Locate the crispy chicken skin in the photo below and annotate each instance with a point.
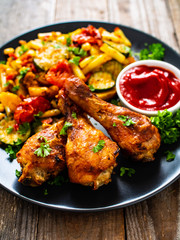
(85, 166)
(139, 141)
(36, 170)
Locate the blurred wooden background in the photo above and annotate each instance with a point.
(156, 218)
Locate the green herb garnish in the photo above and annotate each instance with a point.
(127, 121)
(18, 173)
(68, 41)
(23, 50)
(22, 73)
(74, 115)
(168, 124)
(65, 128)
(114, 124)
(91, 88)
(24, 128)
(12, 150)
(99, 146)
(115, 102)
(170, 156)
(58, 181)
(129, 171)
(44, 149)
(15, 88)
(78, 51)
(153, 51)
(9, 129)
(45, 192)
(75, 60)
(6, 84)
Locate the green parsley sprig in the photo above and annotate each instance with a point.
(44, 149)
(127, 121)
(129, 171)
(23, 49)
(168, 124)
(99, 146)
(75, 60)
(153, 51)
(65, 128)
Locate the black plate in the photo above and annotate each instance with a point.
(149, 178)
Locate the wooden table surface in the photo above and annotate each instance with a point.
(155, 218)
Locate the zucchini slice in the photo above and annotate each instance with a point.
(113, 67)
(101, 81)
(13, 136)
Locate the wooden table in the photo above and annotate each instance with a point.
(155, 218)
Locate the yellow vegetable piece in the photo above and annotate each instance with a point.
(107, 95)
(94, 50)
(112, 52)
(8, 51)
(110, 36)
(37, 91)
(10, 100)
(86, 61)
(77, 71)
(118, 32)
(86, 46)
(50, 113)
(97, 61)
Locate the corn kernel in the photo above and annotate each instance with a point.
(8, 51)
(86, 46)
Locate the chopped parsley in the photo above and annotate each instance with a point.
(91, 88)
(78, 51)
(6, 84)
(130, 171)
(15, 88)
(99, 146)
(74, 115)
(9, 129)
(153, 51)
(75, 60)
(170, 156)
(168, 124)
(65, 128)
(44, 149)
(114, 124)
(24, 128)
(58, 181)
(23, 49)
(39, 114)
(22, 73)
(115, 102)
(127, 121)
(12, 150)
(68, 41)
(45, 192)
(18, 173)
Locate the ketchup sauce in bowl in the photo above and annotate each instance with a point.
(149, 86)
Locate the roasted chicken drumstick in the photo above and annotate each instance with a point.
(90, 155)
(133, 132)
(38, 169)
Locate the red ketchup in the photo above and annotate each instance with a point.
(150, 88)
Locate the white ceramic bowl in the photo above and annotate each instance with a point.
(154, 63)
